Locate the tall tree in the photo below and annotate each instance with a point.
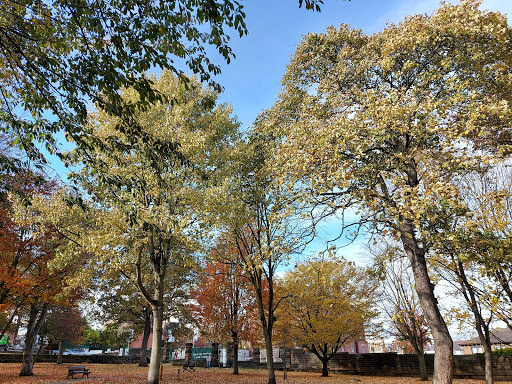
(383, 124)
(330, 301)
(147, 201)
(262, 223)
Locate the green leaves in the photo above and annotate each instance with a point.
(58, 58)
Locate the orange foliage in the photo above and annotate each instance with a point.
(24, 254)
(225, 306)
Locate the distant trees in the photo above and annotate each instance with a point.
(110, 336)
(224, 306)
(118, 302)
(63, 324)
(328, 302)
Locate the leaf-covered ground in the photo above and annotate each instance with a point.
(132, 374)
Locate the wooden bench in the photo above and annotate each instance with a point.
(77, 369)
(190, 365)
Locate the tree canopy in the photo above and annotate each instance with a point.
(61, 57)
(329, 302)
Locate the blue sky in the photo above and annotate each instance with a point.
(252, 81)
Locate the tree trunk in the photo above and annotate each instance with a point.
(35, 322)
(156, 350)
(270, 358)
(482, 327)
(325, 370)
(159, 263)
(488, 363)
(61, 352)
(423, 367)
(321, 352)
(235, 353)
(143, 359)
(443, 361)
(267, 326)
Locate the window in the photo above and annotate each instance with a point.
(476, 350)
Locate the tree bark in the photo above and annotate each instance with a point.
(235, 353)
(156, 349)
(443, 361)
(35, 322)
(423, 366)
(489, 379)
(143, 359)
(61, 352)
(159, 260)
(267, 325)
(270, 357)
(325, 370)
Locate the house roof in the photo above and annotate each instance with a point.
(457, 345)
(498, 336)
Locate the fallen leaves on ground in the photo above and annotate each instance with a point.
(49, 373)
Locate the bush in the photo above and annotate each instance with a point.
(503, 352)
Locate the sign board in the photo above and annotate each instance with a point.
(200, 353)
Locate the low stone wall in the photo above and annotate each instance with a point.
(71, 359)
(473, 366)
(391, 364)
